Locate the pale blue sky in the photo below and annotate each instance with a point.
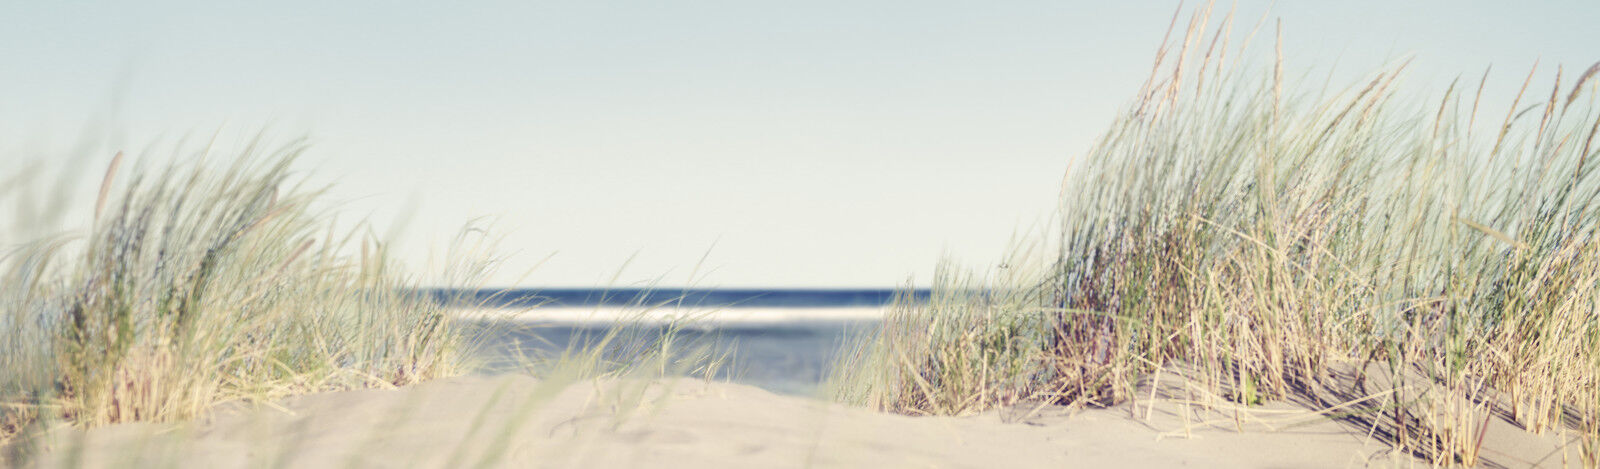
(812, 143)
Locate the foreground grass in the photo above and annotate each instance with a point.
(197, 285)
(1276, 243)
(593, 387)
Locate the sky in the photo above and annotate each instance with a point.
(714, 143)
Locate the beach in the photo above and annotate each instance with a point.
(765, 404)
(728, 235)
(519, 421)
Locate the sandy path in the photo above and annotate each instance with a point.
(512, 421)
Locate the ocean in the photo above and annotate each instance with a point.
(785, 340)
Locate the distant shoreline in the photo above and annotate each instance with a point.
(676, 297)
(687, 315)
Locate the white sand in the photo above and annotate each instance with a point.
(511, 421)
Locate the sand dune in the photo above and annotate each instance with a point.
(517, 421)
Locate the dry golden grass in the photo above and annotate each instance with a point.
(197, 285)
(1266, 237)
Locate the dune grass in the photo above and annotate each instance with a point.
(198, 284)
(1270, 239)
(626, 371)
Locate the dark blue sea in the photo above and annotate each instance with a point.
(792, 356)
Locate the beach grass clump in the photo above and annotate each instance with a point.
(1274, 242)
(197, 284)
(966, 348)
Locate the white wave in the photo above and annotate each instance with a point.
(592, 315)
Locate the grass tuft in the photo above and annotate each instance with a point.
(199, 284)
(1277, 243)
